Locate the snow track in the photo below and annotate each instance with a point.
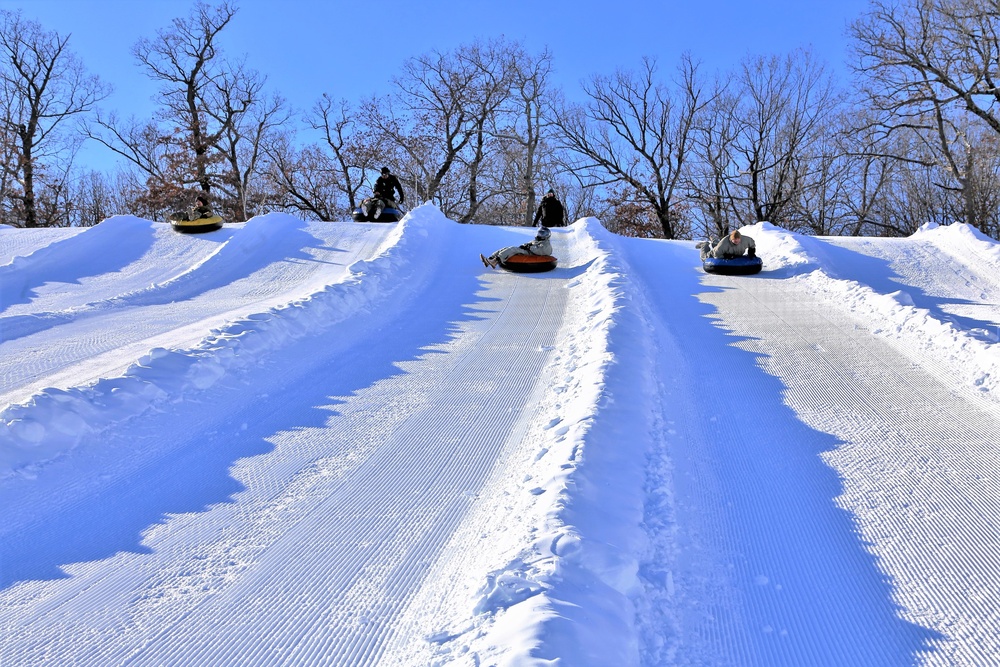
(930, 513)
(293, 443)
(766, 570)
(331, 532)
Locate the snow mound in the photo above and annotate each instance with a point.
(55, 420)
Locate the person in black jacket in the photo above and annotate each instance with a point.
(386, 187)
(199, 211)
(550, 212)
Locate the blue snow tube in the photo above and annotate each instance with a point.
(737, 266)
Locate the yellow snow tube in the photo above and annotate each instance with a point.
(197, 226)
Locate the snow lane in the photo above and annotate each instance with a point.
(70, 259)
(916, 455)
(337, 526)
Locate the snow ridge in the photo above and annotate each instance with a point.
(58, 261)
(570, 592)
(54, 421)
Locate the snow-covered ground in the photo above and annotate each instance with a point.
(298, 443)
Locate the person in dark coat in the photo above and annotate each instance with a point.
(386, 187)
(201, 208)
(199, 211)
(550, 212)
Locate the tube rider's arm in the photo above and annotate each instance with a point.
(721, 248)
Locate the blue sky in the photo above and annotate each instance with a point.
(352, 49)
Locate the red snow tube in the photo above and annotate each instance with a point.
(529, 263)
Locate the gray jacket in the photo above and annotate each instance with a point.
(539, 247)
(726, 249)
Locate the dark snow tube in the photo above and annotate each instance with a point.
(197, 226)
(739, 266)
(389, 214)
(529, 263)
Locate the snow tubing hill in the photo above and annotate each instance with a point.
(739, 266)
(197, 226)
(529, 263)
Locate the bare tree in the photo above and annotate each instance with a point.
(930, 66)
(182, 58)
(779, 118)
(214, 114)
(442, 118)
(356, 149)
(11, 202)
(918, 53)
(820, 203)
(525, 125)
(428, 117)
(871, 168)
(95, 199)
(493, 64)
(635, 130)
(244, 137)
(44, 85)
(307, 180)
(714, 170)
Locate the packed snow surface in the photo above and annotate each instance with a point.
(303, 443)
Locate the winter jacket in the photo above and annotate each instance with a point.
(386, 187)
(726, 249)
(551, 213)
(539, 247)
(536, 247)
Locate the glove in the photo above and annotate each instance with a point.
(752, 252)
(525, 246)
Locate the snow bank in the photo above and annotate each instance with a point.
(779, 249)
(914, 331)
(962, 241)
(54, 420)
(567, 597)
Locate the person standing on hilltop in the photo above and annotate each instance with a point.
(550, 212)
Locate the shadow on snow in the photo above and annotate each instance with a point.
(190, 470)
(767, 568)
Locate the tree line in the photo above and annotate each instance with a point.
(481, 130)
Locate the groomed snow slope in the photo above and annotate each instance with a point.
(291, 443)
